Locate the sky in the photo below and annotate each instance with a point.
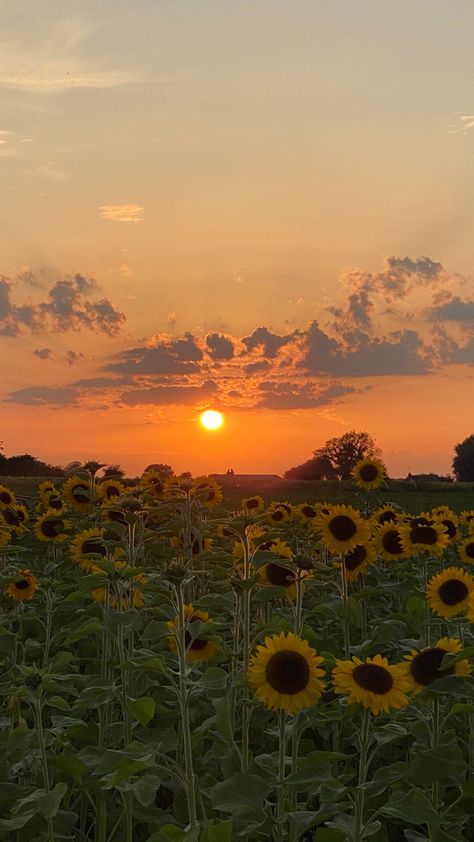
(262, 207)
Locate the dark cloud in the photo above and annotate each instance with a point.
(288, 395)
(44, 396)
(44, 353)
(159, 360)
(454, 310)
(164, 395)
(259, 366)
(74, 357)
(219, 346)
(269, 342)
(69, 306)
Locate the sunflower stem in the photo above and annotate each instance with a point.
(363, 766)
(294, 768)
(435, 712)
(281, 773)
(346, 624)
(49, 625)
(184, 711)
(38, 712)
(246, 598)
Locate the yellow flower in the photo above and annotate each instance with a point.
(45, 489)
(24, 586)
(425, 667)
(253, 505)
(368, 473)
(199, 544)
(467, 517)
(450, 522)
(87, 542)
(152, 483)
(109, 489)
(358, 560)
(77, 492)
(207, 491)
(122, 592)
(448, 592)
(7, 497)
(385, 514)
(14, 517)
(418, 537)
(374, 683)
(197, 649)
(285, 673)
(388, 542)
(466, 550)
(279, 512)
(342, 529)
(305, 511)
(51, 527)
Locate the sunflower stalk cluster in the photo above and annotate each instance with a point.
(175, 668)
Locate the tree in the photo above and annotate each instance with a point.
(337, 457)
(164, 471)
(319, 467)
(463, 462)
(114, 471)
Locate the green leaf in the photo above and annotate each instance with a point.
(413, 807)
(143, 709)
(173, 833)
(329, 834)
(223, 720)
(88, 628)
(240, 792)
(58, 702)
(214, 678)
(49, 803)
(216, 831)
(145, 789)
(70, 765)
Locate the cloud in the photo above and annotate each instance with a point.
(453, 310)
(270, 343)
(122, 213)
(44, 396)
(69, 306)
(164, 357)
(163, 395)
(220, 347)
(44, 353)
(288, 395)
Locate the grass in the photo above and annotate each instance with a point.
(413, 498)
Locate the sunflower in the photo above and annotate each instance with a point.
(207, 491)
(45, 489)
(199, 544)
(467, 517)
(197, 649)
(285, 673)
(278, 513)
(305, 511)
(108, 489)
(77, 492)
(88, 542)
(385, 514)
(253, 505)
(342, 529)
(7, 497)
(374, 683)
(442, 511)
(450, 523)
(368, 473)
(53, 500)
(152, 482)
(420, 537)
(14, 516)
(448, 592)
(51, 527)
(388, 542)
(466, 550)
(24, 585)
(358, 560)
(425, 667)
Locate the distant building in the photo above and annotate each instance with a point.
(247, 480)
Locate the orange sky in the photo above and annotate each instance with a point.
(265, 208)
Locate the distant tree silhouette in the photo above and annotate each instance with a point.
(337, 457)
(114, 471)
(26, 465)
(163, 470)
(463, 462)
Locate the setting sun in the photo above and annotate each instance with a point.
(211, 419)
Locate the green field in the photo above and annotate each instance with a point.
(412, 498)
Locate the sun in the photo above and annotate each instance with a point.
(211, 419)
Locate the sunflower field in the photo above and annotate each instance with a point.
(173, 671)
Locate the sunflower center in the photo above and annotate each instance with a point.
(55, 503)
(116, 516)
(368, 473)
(391, 542)
(453, 591)
(22, 585)
(386, 517)
(112, 491)
(342, 527)
(11, 517)
(419, 521)
(425, 667)
(308, 511)
(373, 678)
(424, 535)
(93, 545)
(80, 493)
(469, 549)
(251, 504)
(5, 497)
(277, 515)
(450, 527)
(51, 528)
(287, 672)
(279, 575)
(355, 558)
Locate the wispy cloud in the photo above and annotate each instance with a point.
(122, 213)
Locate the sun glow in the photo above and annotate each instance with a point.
(211, 419)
